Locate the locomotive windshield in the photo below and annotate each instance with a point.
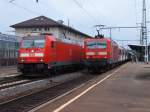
(101, 45)
(91, 45)
(33, 43)
(97, 44)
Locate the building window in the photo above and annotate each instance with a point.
(34, 29)
(75, 35)
(46, 29)
(26, 29)
(40, 29)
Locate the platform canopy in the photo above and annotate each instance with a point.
(140, 51)
(137, 48)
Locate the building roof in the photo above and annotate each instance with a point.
(43, 21)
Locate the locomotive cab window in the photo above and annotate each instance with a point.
(93, 45)
(39, 43)
(101, 45)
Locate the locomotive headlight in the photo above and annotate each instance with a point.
(90, 53)
(39, 54)
(24, 55)
(22, 60)
(41, 60)
(102, 53)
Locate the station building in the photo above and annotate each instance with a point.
(44, 24)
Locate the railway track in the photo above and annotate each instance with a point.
(14, 80)
(10, 79)
(5, 71)
(8, 82)
(8, 67)
(40, 97)
(6, 75)
(14, 83)
(30, 101)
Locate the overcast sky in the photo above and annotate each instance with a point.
(82, 14)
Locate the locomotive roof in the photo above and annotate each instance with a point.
(30, 37)
(95, 39)
(105, 39)
(8, 37)
(43, 21)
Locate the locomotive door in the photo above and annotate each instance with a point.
(53, 53)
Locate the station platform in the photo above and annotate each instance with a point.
(126, 89)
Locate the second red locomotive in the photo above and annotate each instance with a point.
(102, 53)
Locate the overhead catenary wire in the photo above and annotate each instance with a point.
(46, 6)
(126, 40)
(85, 11)
(63, 14)
(97, 11)
(94, 6)
(36, 13)
(11, 1)
(14, 0)
(24, 8)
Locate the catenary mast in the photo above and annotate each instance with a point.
(144, 32)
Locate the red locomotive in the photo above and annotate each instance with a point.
(101, 53)
(46, 53)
